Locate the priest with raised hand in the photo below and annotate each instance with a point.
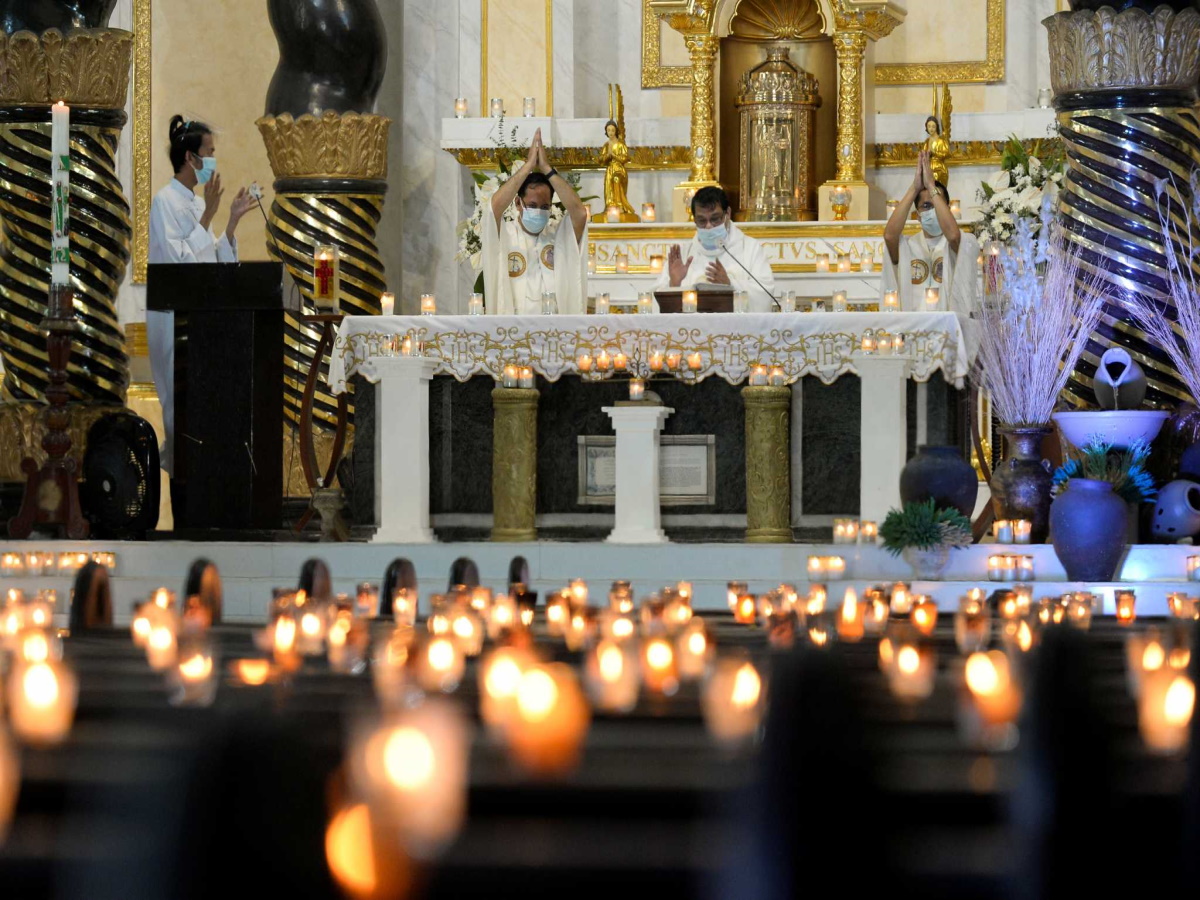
(940, 255)
(523, 256)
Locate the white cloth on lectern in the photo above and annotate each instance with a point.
(744, 249)
(518, 267)
(176, 236)
(930, 263)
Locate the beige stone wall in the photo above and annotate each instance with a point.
(517, 37)
(214, 63)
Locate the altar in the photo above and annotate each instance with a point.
(697, 362)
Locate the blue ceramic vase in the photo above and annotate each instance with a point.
(940, 473)
(1176, 512)
(1087, 528)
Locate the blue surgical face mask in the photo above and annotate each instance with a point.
(712, 238)
(929, 221)
(535, 220)
(208, 168)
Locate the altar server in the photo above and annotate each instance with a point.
(525, 258)
(940, 255)
(720, 254)
(181, 232)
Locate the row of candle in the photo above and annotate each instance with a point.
(825, 262)
(955, 208)
(882, 343)
(49, 563)
(496, 107)
(41, 689)
(1012, 531)
(1010, 568)
(851, 531)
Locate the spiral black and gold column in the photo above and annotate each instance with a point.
(89, 70)
(1125, 93)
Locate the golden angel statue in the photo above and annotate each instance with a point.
(937, 129)
(615, 157)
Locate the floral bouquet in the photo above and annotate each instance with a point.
(1017, 191)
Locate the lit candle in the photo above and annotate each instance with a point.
(777, 378)
(550, 720)
(759, 376)
(1126, 603)
(475, 305)
(995, 568)
(885, 343)
(637, 389)
(1022, 569)
(529, 107)
(901, 599)
(603, 360)
(326, 266)
(192, 679)
(583, 362)
(869, 531)
(955, 209)
(693, 651)
(497, 107)
(428, 304)
(816, 566)
(591, 264)
(689, 301)
(645, 302)
(732, 702)
(694, 361)
(924, 615)
(835, 565)
(406, 346)
(843, 262)
(673, 359)
(659, 669)
(252, 672)
(656, 361)
(526, 378)
(60, 186)
(161, 646)
(1022, 531)
(41, 701)
(823, 262)
(510, 376)
(460, 108)
(440, 665)
(620, 361)
(1165, 709)
(14, 564)
(868, 343)
(972, 624)
(745, 611)
(989, 680)
(656, 264)
(648, 213)
(911, 671)
(850, 618)
(932, 298)
(788, 303)
(602, 301)
(892, 206)
(387, 303)
(1003, 530)
(622, 263)
(741, 301)
(839, 301)
(891, 301)
(611, 677)
(612, 214)
(1193, 568)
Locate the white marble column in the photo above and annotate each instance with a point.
(638, 518)
(883, 439)
(402, 450)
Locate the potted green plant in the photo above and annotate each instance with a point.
(924, 535)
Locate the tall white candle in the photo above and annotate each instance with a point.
(60, 186)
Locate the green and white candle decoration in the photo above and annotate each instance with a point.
(60, 185)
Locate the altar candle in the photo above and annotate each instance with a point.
(620, 362)
(1003, 530)
(689, 301)
(387, 303)
(885, 343)
(612, 214)
(1193, 568)
(645, 303)
(648, 213)
(428, 305)
(1022, 569)
(892, 206)
(60, 183)
(497, 106)
(673, 359)
(325, 279)
(843, 262)
(777, 378)
(1022, 531)
(637, 389)
(510, 377)
(622, 264)
(868, 343)
(839, 301)
(475, 305)
(41, 702)
(758, 376)
(656, 364)
(823, 262)
(406, 346)
(602, 301)
(741, 301)
(529, 107)
(868, 531)
(694, 361)
(460, 108)
(788, 303)
(955, 208)
(656, 264)
(1126, 607)
(932, 298)
(549, 303)
(891, 301)
(1165, 709)
(526, 377)
(603, 361)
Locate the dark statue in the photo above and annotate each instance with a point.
(332, 55)
(39, 15)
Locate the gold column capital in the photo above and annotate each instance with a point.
(768, 464)
(874, 18)
(332, 145)
(86, 67)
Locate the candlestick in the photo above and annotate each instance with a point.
(649, 214)
(497, 107)
(839, 301)
(460, 107)
(656, 264)
(689, 301)
(60, 186)
(529, 107)
(326, 270)
(475, 305)
(602, 301)
(387, 303)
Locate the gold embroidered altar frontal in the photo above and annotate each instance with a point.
(689, 347)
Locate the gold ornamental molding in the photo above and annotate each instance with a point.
(142, 123)
(772, 20)
(1102, 49)
(990, 69)
(962, 153)
(332, 145)
(641, 158)
(874, 18)
(84, 67)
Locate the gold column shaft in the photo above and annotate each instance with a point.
(768, 464)
(850, 48)
(703, 51)
(514, 464)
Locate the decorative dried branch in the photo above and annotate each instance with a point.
(1178, 218)
(1035, 329)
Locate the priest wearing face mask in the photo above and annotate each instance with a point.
(715, 252)
(181, 231)
(526, 258)
(940, 255)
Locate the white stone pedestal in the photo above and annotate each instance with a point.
(402, 449)
(638, 518)
(884, 434)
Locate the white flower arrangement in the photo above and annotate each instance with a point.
(1017, 192)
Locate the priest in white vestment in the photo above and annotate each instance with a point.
(940, 255)
(526, 259)
(181, 232)
(721, 255)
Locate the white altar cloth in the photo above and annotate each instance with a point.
(827, 344)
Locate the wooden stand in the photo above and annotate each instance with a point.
(670, 300)
(326, 500)
(52, 492)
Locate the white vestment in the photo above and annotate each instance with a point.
(176, 236)
(518, 267)
(747, 251)
(926, 263)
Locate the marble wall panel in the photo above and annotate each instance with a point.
(516, 42)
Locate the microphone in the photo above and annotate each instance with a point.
(255, 191)
(725, 249)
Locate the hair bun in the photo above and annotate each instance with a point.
(177, 127)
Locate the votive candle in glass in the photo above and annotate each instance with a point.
(526, 378)
(460, 108)
(892, 206)
(497, 107)
(645, 302)
(549, 303)
(689, 301)
(529, 107)
(1003, 530)
(387, 303)
(656, 264)
(777, 378)
(868, 531)
(741, 301)
(602, 302)
(428, 305)
(839, 301)
(1126, 607)
(891, 301)
(475, 305)
(510, 377)
(622, 263)
(956, 209)
(1022, 530)
(612, 214)
(1193, 568)
(932, 298)
(823, 262)
(637, 389)
(869, 344)
(1022, 569)
(759, 376)
(885, 343)
(694, 361)
(843, 262)
(788, 302)
(648, 213)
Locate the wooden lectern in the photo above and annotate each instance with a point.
(229, 345)
(670, 300)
